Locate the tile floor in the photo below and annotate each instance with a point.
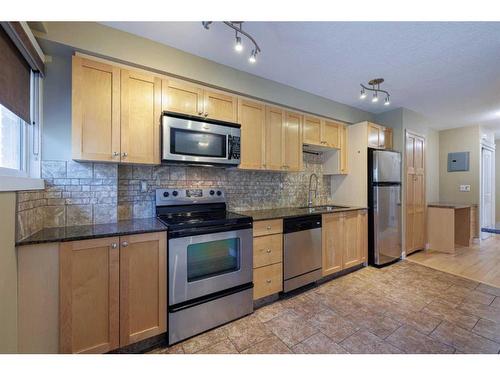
(403, 308)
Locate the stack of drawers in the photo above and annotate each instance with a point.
(267, 257)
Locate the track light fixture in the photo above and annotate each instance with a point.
(237, 26)
(375, 87)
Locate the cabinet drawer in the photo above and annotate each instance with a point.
(267, 280)
(262, 228)
(267, 250)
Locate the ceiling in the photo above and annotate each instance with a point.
(448, 71)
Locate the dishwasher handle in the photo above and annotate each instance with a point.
(297, 224)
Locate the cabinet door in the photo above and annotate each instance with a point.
(88, 296)
(95, 110)
(182, 97)
(275, 119)
(373, 136)
(140, 118)
(252, 117)
(410, 194)
(344, 151)
(312, 131)
(267, 280)
(351, 255)
(220, 106)
(293, 142)
(388, 142)
(332, 232)
(143, 286)
(419, 194)
(363, 235)
(331, 134)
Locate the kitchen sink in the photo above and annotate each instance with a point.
(325, 208)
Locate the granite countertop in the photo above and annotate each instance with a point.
(284, 212)
(84, 232)
(448, 205)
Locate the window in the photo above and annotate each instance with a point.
(19, 140)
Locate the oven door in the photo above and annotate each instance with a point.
(191, 141)
(209, 263)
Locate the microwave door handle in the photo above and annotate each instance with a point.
(229, 148)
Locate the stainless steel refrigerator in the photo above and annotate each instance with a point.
(384, 207)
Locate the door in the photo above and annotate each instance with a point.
(386, 223)
(89, 296)
(331, 134)
(252, 117)
(182, 97)
(140, 118)
(487, 200)
(332, 233)
(293, 142)
(312, 131)
(363, 235)
(95, 110)
(143, 283)
(351, 255)
(220, 106)
(275, 122)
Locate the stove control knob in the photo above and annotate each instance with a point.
(219, 193)
(175, 193)
(212, 192)
(166, 194)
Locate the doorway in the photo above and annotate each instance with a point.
(487, 202)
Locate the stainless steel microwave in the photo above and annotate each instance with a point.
(195, 140)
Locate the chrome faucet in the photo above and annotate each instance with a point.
(310, 202)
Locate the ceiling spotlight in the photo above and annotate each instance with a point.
(375, 88)
(253, 57)
(363, 94)
(238, 47)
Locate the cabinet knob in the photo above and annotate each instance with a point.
(115, 153)
(268, 251)
(268, 227)
(114, 245)
(124, 243)
(200, 112)
(268, 281)
(206, 114)
(124, 155)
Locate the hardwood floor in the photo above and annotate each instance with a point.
(480, 262)
(402, 308)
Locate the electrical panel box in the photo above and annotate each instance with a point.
(458, 161)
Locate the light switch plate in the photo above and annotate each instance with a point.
(464, 188)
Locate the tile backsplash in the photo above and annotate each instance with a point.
(79, 193)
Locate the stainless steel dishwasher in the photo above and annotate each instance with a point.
(301, 251)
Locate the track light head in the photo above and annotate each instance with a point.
(387, 101)
(253, 57)
(375, 97)
(238, 47)
(363, 94)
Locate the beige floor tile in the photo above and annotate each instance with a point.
(290, 328)
(272, 345)
(378, 324)
(464, 340)
(318, 344)
(268, 312)
(247, 332)
(412, 341)
(335, 326)
(482, 311)
(419, 320)
(468, 295)
(204, 340)
(444, 311)
(488, 329)
(364, 342)
(223, 347)
(496, 302)
(488, 289)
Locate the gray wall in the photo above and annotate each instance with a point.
(65, 37)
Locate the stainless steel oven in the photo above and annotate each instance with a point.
(194, 140)
(209, 263)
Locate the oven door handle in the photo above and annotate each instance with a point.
(188, 232)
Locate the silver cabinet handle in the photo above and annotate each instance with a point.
(124, 155)
(206, 114)
(268, 281)
(268, 227)
(268, 251)
(114, 245)
(124, 243)
(115, 153)
(200, 113)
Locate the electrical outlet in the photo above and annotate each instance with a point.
(464, 188)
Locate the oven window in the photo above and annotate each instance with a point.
(212, 258)
(191, 142)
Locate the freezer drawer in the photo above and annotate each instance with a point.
(386, 223)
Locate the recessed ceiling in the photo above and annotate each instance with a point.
(448, 71)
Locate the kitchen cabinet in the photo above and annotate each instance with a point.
(89, 296)
(143, 283)
(275, 122)
(252, 117)
(344, 151)
(195, 100)
(344, 240)
(321, 132)
(95, 110)
(337, 162)
(112, 292)
(379, 136)
(312, 130)
(292, 153)
(415, 193)
(115, 113)
(267, 257)
(140, 118)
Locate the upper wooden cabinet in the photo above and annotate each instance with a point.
(379, 136)
(292, 147)
(275, 123)
(115, 113)
(252, 117)
(195, 100)
(95, 110)
(140, 117)
(321, 132)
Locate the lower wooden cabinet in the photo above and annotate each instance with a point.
(267, 280)
(112, 292)
(345, 240)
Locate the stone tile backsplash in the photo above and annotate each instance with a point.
(79, 193)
